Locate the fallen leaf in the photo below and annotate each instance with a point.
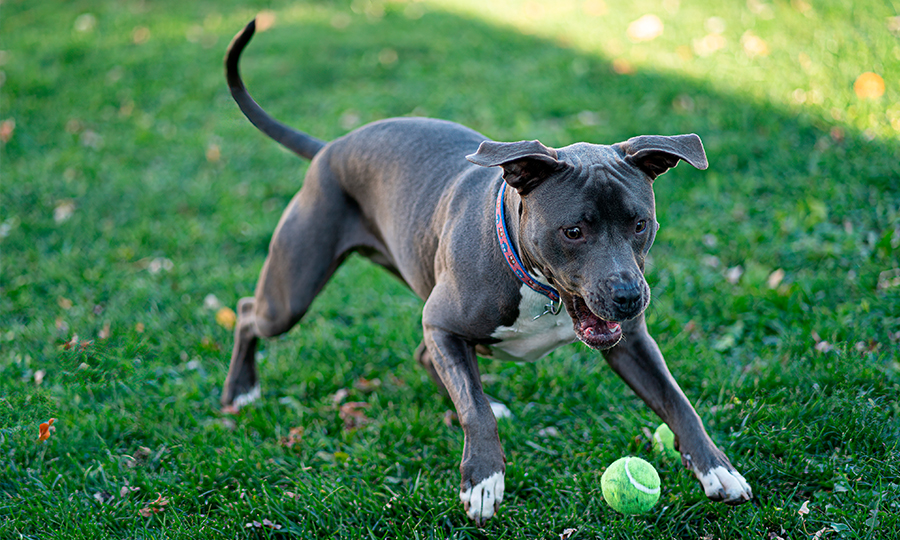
(73, 341)
(775, 278)
(139, 457)
(63, 211)
(869, 86)
(270, 524)
(226, 318)
(889, 279)
(733, 274)
(154, 507)
(294, 437)
(211, 302)
(127, 490)
(622, 66)
(265, 19)
(711, 261)
(140, 35)
(567, 533)
(85, 22)
(366, 385)
(44, 429)
(213, 153)
(74, 126)
(804, 508)
(209, 344)
(754, 45)
(449, 418)
(548, 431)
(353, 415)
(709, 44)
(339, 396)
(160, 264)
(894, 25)
(91, 139)
(6, 129)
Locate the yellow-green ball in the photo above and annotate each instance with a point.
(630, 485)
(664, 442)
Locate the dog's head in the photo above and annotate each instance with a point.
(587, 219)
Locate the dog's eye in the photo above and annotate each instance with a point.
(641, 226)
(572, 233)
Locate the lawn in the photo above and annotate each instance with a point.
(136, 205)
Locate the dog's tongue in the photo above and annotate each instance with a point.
(592, 325)
(601, 327)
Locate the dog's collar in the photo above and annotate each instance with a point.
(515, 264)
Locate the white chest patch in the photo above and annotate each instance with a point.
(530, 338)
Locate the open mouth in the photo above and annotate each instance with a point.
(593, 331)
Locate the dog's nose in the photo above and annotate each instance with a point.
(627, 298)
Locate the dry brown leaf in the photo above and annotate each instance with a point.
(449, 418)
(353, 415)
(226, 317)
(154, 507)
(339, 396)
(366, 385)
(6, 129)
(869, 86)
(294, 437)
(44, 429)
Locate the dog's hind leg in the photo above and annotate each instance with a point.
(423, 357)
(317, 231)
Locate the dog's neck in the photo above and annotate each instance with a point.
(508, 237)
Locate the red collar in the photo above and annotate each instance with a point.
(512, 259)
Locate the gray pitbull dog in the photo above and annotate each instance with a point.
(496, 238)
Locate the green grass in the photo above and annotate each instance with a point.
(117, 221)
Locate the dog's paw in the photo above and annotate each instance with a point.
(483, 500)
(500, 410)
(243, 399)
(725, 485)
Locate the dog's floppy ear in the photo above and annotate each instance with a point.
(525, 163)
(656, 154)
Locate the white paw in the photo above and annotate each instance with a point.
(728, 486)
(247, 398)
(482, 501)
(500, 410)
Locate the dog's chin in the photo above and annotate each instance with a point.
(591, 329)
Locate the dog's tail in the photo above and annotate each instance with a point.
(296, 141)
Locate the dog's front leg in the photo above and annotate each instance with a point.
(483, 464)
(639, 363)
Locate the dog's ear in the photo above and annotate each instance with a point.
(656, 154)
(525, 163)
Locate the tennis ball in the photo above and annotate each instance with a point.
(630, 485)
(664, 442)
